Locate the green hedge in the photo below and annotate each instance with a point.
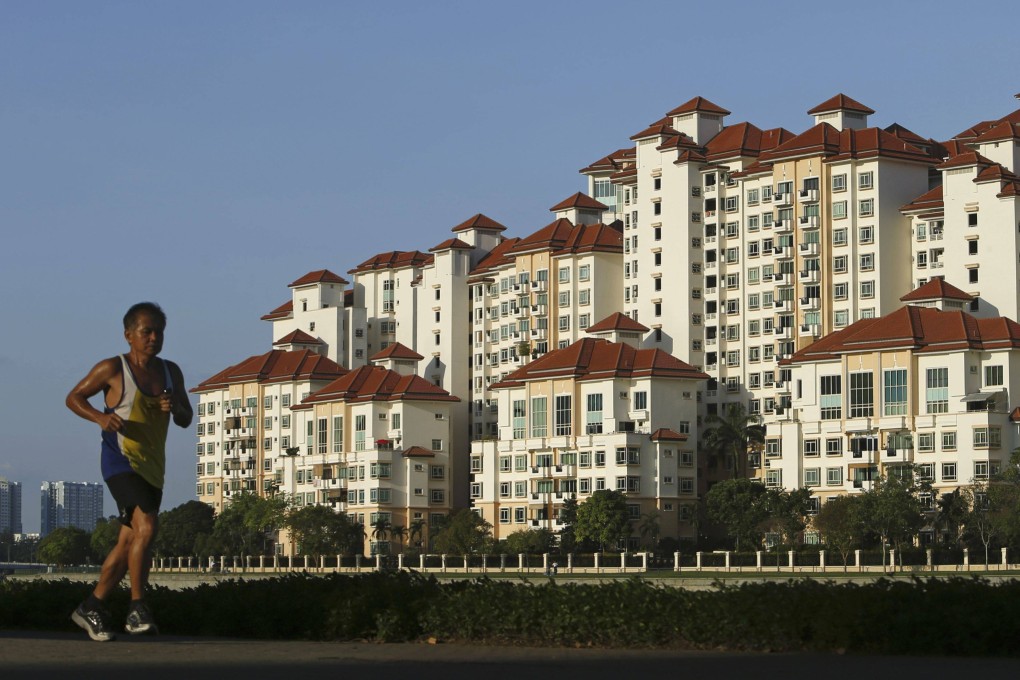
(936, 616)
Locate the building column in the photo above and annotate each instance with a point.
(857, 559)
(757, 559)
(727, 560)
(966, 558)
(698, 558)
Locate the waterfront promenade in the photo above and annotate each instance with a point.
(55, 655)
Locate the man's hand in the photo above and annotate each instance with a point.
(110, 422)
(166, 401)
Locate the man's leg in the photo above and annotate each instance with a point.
(139, 555)
(115, 565)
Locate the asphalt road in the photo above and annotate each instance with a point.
(68, 655)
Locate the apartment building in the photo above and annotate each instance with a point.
(927, 385)
(10, 506)
(379, 445)
(249, 437)
(537, 293)
(967, 228)
(598, 414)
(70, 504)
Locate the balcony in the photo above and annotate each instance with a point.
(782, 200)
(395, 434)
(538, 310)
(782, 226)
(809, 304)
(520, 312)
(538, 286)
(810, 275)
(783, 333)
(783, 252)
(813, 330)
(809, 222)
(808, 248)
(538, 334)
(640, 414)
(778, 277)
(808, 195)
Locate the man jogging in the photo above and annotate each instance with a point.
(140, 394)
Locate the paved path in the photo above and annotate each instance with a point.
(68, 655)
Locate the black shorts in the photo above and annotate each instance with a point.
(131, 491)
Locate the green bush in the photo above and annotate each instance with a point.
(950, 616)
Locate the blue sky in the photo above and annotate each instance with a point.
(204, 155)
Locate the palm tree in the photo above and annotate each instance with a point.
(416, 532)
(735, 434)
(399, 532)
(381, 531)
(649, 527)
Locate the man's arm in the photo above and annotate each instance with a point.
(98, 379)
(180, 405)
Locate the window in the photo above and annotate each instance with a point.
(359, 433)
(812, 476)
(987, 438)
(972, 247)
(731, 203)
(811, 447)
(834, 446)
(937, 390)
(839, 182)
(861, 395)
(867, 289)
(564, 299)
(564, 323)
(839, 210)
(867, 234)
(866, 207)
(831, 393)
(981, 470)
(867, 262)
(562, 422)
(972, 275)
(593, 415)
(564, 274)
(539, 417)
(993, 376)
(437, 444)
(839, 291)
(865, 180)
(834, 476)
(894, 392)
(338, 433)
(949, 441)
(841, 318)
(519, 418)
(949, 472)
(584, 272)
(839, 264)
(925, 442)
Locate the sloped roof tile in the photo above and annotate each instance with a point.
(375, 383)
(479, 221)
(840, 102)
(698, 104)
(318, 276)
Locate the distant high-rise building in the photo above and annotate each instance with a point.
(70, 504)
(10, 506)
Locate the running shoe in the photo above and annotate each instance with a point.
(95, 622)
(140, 620)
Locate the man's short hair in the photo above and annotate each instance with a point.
(151, 308)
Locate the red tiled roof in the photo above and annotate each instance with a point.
(626, 176)
(995, 173)
(617, 321)
(1009, 190)
(498, 257)
(451, 244)
(1014, 415)
(836, 145)
(840, 102)
(742, 139)
(698, 104)
(394, 259)
(275, 366)
(906, 135)
(318, 276)
(553, 236)
(596, 359)
(660, 128)
(613, 162)
(579, 200)
(396, 351)
(678, 141)
(920, 329)
(418, 452)
(298, 337)
(936, 289)
(375, 383)
(589, 238)
(929, 200)
(964, 159)
(348, 298)
(281, 312)
(667, 435)
(690, 156)
(479, 221)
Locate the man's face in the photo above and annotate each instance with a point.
(147, 335)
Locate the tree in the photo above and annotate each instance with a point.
(981, 519)
(381, 531)
(568, 517)
(737, 505)
(65, 546)
(1003, 499)
(786, 512)
(648, 528)
(603, 518)
(953, 509)
(839, 523)
(892, 510)
(104, 537)
(248, 526)
(528, 541)
(319, 530)
(733, 434)
(416, 533)
(463, 533)
(399, 532)
(180, 528)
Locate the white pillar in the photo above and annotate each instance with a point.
(699, 560)
(502, 562)
(378, 561)
(623, 561)
(966, 558)
(570, 562)
(262, 562)
(821, 559)
(928, 558)
(400, 561)
(1004, 562)
(757, 560)
(676, 561)
(357, 562)
(485, 563)
(644, 561)
(276, 562)
(466, 567)
(339, 563)
(520, 561)
(892, 560)
(421, 561)
(791, 560)
(596, 563)
(322, 563)
(857, 559)
(443, 561)
(726, 557)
